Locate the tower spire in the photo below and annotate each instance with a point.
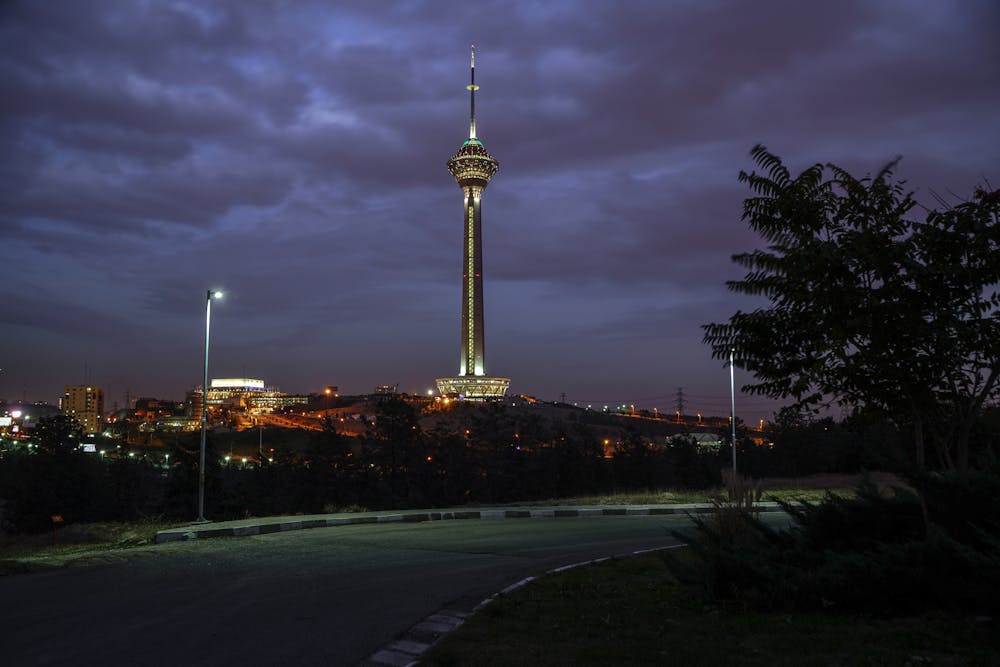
(472, 88)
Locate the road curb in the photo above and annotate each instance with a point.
(266, 525)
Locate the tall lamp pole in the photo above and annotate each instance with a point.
(210, 294)
(732, 393)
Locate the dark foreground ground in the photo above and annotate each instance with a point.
(632, 612)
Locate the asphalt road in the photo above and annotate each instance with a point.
(327, 596)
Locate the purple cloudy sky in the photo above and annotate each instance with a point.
(293, 153)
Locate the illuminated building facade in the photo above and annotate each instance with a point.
(86, 404)
(249, 394)
(473, 167)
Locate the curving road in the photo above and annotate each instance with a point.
(328, 596)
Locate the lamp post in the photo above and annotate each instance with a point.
(210, 294)
(732, 393)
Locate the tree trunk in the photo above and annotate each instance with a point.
(969, 416)
(962, 443)
(918, 441)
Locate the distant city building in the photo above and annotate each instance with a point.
(18, 417)
(387, 389)
(702, 440)
(170, 423)
(86, 404)
(473, 167)
(249, 395)
(152, 409)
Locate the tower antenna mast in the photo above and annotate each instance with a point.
(472, 88)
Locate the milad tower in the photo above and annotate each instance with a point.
(473, 167)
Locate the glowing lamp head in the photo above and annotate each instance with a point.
(217, 294)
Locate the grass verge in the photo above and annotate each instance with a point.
(27, 553)
(632, 612)
(811, 487)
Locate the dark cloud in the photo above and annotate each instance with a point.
(294, 154)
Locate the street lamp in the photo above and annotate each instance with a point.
(210, 294)
(732, 393)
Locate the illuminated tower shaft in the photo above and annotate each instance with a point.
(473, 354)
(473, 167)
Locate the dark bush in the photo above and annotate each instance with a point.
(871, 553)
(77, 486)
(966, 507)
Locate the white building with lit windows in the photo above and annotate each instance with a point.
(86, 404)
(249, 395)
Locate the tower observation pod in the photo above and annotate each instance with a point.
(472, 167)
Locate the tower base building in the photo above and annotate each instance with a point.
(474, 387)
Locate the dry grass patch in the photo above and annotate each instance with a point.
(73, 539)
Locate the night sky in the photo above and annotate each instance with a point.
(293, 154)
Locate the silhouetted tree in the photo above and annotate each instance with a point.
(634, 460)
(869, 307)
(59, 433)
(393, 444)
(329, 473)
(452, 471)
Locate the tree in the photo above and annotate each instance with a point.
(59, 433)
(396, 420)
(394, 438)
(867, 306)
(959, 252)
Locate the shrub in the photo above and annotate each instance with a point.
(873, 553)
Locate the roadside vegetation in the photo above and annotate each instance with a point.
(897, 552)
(865, 579)
(74, 538)
(809, 488)
(73, 543)
(486, 455)
(634, 612)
